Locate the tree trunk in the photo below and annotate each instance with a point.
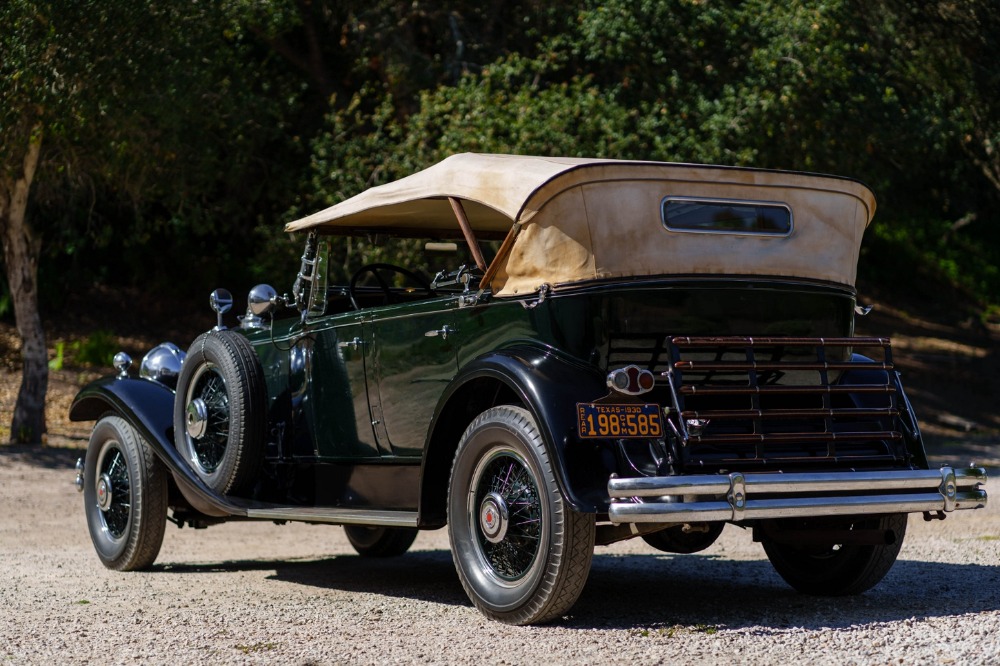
(21, 249)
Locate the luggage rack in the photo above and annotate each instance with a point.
(773, 402)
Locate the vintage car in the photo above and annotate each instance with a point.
(632, 349)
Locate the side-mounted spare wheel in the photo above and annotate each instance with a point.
(522, 553)
(124, 496)
(220, 411)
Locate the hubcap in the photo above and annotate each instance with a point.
(113, 490)
(494, 518)
(505, 512)
(105, 493)
(206, 420)
(197, 418)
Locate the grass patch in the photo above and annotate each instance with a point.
(98, 348)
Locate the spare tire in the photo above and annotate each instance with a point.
(220, 411)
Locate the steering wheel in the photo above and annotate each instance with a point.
(383, 283)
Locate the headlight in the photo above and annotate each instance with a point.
(163, 364)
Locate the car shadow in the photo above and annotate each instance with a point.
(50, 457)
(652, 591)
(424, 575)
(660, 591)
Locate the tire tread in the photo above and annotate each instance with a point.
(572, 548)
(148, 480)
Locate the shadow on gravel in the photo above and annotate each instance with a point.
(423, 575)
(709, 591)
(41, 456)
(659, 592)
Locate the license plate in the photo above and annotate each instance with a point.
(618, 421)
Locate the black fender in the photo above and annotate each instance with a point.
(149, 407)
(548, 385)
(911, 429)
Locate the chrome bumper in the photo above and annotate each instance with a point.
(738, 497)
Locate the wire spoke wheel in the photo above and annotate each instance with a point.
(208, 418)
(508, 521)
(840, 569)
(114, 490)
(124, 496)
(522, 553)
(220, 413)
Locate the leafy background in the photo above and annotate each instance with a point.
(180, 136)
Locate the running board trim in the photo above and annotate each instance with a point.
(337, 516)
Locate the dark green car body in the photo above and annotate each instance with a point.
(383, 391)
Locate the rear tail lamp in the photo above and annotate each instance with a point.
(631, 380)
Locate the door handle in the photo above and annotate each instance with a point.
(443, 332)
(352, 344)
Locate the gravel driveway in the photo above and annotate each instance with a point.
(297, 594)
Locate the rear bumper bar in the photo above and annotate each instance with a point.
(739, 497)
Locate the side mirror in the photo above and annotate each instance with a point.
(221, 301)
(262, 300)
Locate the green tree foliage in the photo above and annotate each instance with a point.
(339, 47)
(877, 91)
(111, 106)
(137, 137)
(943, 56)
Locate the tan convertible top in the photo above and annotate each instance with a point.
(568, 220)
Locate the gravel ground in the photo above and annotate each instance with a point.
(297, 594)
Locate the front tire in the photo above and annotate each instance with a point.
(124, 496)
(836, 570)
(522, 553)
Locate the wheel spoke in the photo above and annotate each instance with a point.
(116, 514)
(210, 448)
(507, 479)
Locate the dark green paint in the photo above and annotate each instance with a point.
(375, 400)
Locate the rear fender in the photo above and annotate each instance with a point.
(911, 429)
(547, 385)
(149, 407)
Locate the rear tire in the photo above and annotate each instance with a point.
(522, 553)
(124, 496)
(839, 569)
(380, 541)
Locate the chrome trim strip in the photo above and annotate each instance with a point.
(738, 497)
(337, 516)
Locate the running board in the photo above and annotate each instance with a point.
(336, 516)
